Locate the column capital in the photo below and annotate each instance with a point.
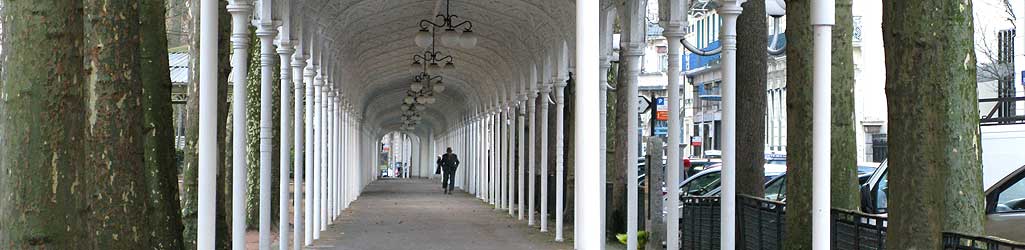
(632, 49)
(240, 7)
(546, 88)
(285, 48)
(673, 30)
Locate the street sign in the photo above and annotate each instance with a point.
(643, 104)
(661, 109)
(661, 131)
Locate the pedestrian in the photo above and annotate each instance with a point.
(449, 163)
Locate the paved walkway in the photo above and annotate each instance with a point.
(414, 214)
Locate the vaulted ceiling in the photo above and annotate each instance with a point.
(370, 45)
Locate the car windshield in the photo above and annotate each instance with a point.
(1012, 199)
(863, 170)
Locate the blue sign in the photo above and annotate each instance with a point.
(661, 131)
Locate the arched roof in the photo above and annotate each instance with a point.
(370, 46)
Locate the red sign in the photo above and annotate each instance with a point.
(662, 115)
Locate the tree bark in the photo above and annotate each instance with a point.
(190, 171)
(41, 128)
(751, 57)
(799, 127)
(846, 193)
(164, 217)
(936, 176)
(116, 182)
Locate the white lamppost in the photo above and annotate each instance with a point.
(822, 20)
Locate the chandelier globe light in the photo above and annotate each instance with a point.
(416, 67)
(468, 39)
(438, 87)
(424, 39)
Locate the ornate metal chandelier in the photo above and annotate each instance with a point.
(449, 37)
(431, 60)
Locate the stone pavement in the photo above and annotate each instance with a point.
(394, 214)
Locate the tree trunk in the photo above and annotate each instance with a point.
(116, 182)
(846, 193)
(190, 171)
(616, 123)
(41, 128)
(934, 141)
(751, 56)
(164, 217)
(798, 99)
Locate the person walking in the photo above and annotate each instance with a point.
(449, 163)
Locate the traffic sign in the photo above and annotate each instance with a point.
(643, 104)
(661, 109)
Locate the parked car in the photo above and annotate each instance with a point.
(775, 178)
(707, 183)
(1005, 202)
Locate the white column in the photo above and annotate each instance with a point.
(266, 32)
(496, 168)
(207, 124)
(508, 115)
(531, 155)
(318, 143)
(285, 51)
(632, 50)
(322, 169)
(493, 159)
(329, 152)
(522, 157)
(311, 85)
(603, 135)
(543, 150)
(298, 63)
(673, 33)
(240, 11)
(822, 27)
(560, 167)
(586, 116)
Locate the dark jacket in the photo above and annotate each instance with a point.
(449, 162)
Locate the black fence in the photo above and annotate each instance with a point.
(856, 230)
(699, 223)
(761, 225)
(954, 241)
